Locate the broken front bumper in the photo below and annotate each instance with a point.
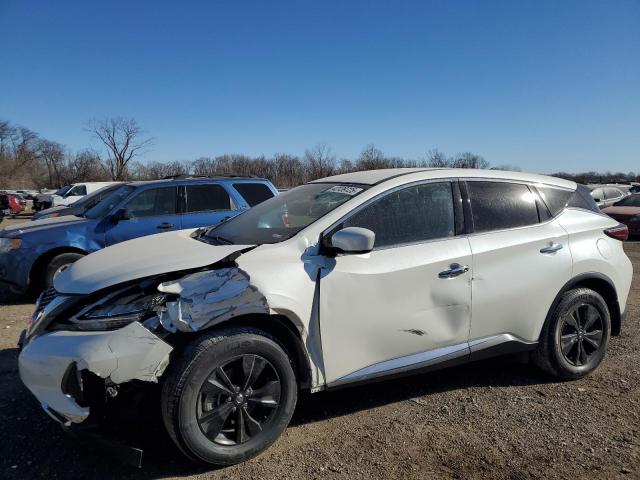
(51, 365)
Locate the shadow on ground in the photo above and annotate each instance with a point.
(58, 451)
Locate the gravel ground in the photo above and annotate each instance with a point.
(493, 419)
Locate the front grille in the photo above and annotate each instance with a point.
(45, 299)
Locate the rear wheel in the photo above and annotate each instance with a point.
(56, 265)
(229, 396)
(574, 339)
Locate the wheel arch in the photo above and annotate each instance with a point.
(285, 331)
(43, 260)
(601, 284)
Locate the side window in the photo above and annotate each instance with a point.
(77, 190)
(253, 193)
(555, 198)
(207, 198)
(500, 205)
(598, 194)
(153, 202)
(413, 214)
(612, 193)
(583, 198)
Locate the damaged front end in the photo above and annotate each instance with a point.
(81, 352)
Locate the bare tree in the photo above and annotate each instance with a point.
(371, 158)
(436, 159)
(121, 137)
(319, 161)
(470, 160)
(52, 154)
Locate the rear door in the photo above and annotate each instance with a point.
(153, 210)
(521, 260)
(206, 204)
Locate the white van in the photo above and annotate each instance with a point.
(76, 192)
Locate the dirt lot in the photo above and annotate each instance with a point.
(494, 419)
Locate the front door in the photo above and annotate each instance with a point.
(153, 210)
(407, 302)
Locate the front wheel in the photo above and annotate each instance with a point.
(229, 396)
(574, 338)
(56, 265)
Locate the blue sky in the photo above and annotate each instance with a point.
(544, 85)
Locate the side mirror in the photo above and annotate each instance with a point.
(353, 240)
(120, 215)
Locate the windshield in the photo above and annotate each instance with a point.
(630, 201)
(282, 216)
(63, 190)
(92, 199)
(107, 204)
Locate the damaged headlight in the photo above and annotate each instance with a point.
(117, 309)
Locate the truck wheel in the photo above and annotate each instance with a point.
(56, 264)
(229, 396)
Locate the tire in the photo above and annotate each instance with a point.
(189, 398)
(56, 264)
(567, 347)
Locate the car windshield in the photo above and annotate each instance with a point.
(282, 216)
(88, 201)
(63, 190)
(107, 204)
(630, 201)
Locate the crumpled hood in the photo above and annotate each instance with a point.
(26, 227)
(139, 258)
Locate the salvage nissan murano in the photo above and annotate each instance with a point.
(347, 279)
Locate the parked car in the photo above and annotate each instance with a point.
(607, 195)
(78, 207)
(5, 208)
(627, 211)
(16, 203)
(344, 280)
(76, 191)
(44, 199)
(32, 254)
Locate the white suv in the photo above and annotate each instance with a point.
(351, 278)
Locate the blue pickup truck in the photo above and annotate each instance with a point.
(32, 253)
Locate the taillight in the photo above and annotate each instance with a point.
(619, 232)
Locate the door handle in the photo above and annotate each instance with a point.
(165, 225)
(554, 247)
(455, 269)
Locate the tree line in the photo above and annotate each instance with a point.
(29, 161)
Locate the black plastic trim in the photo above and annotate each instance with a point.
(616, 316)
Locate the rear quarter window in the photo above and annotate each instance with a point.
(584, 199)
(253, 193)
(501, 205)
(556, 199)
(207, 198)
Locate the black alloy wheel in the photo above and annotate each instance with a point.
(581, 334)
(238, 400)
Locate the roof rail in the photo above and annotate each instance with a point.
(217, 175)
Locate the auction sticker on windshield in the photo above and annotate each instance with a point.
(345, 189)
